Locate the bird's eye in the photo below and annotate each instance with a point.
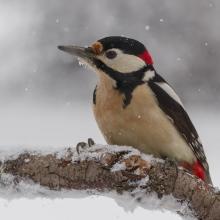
(111, 54)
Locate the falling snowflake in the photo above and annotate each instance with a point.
(34, 70)
(210, 4)
(147, 27)
(68, 104)
(66, 29)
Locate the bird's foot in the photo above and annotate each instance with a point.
(84, 145)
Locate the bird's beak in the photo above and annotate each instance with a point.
(84, 53)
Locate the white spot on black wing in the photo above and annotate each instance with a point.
(169, 90)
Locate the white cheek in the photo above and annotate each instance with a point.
(124, 63)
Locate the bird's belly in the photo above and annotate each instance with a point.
(141, 124)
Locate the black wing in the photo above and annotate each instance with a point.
(169, 102)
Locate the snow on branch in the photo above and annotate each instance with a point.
(123, 169)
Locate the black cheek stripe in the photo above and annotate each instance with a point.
(125, 82)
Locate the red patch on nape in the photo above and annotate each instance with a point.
(146, 57)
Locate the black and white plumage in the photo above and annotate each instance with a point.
(135, 106)
(171, 104)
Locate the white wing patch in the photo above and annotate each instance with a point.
(169, 91)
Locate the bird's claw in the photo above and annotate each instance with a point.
(91, 142)
(80, 145)
(83, 145)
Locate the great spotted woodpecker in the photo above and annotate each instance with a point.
(134, 106)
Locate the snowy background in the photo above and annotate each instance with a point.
(45, 96)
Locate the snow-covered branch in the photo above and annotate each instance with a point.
(113, 168)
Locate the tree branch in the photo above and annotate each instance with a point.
(115, 168)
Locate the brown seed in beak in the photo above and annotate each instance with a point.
(97, 48)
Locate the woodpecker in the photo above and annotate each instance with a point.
(134, 106)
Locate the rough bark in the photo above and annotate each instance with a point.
(96, 171)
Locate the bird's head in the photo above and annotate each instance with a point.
(120, 58)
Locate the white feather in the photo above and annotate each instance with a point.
(148, 75)
(170, 92)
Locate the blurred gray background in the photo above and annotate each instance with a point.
(45, 96)
(182, 36)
